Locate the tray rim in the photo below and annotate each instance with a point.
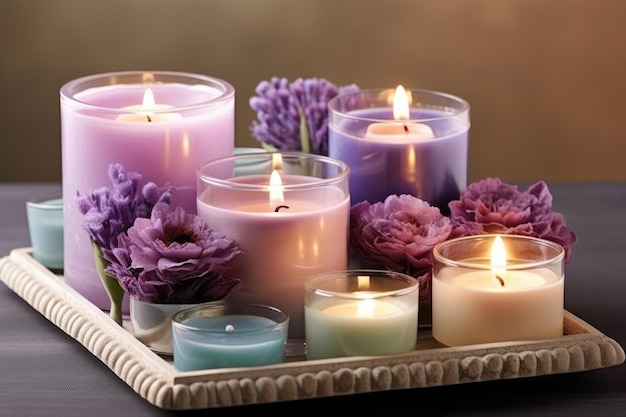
(158, 382)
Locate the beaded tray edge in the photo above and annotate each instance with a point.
(156, 380)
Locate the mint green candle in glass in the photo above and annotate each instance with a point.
(360, 312)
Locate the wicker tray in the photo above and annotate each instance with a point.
(156, 380)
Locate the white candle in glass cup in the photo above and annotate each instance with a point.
(497, 288)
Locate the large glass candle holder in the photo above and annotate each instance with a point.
(360, 312)
(497, 288)
(162, 125)
(415, 145)
(230, 335)
(289, 228)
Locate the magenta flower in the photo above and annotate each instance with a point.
(399, 234)
(174, 257)
(491, 206)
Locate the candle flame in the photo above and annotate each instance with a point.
(363, 282)
(148, 100)
(366, 308)
(498, 260)
(401, 102)
(277, 162)
(276, 190)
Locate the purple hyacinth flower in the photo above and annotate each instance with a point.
(109, 212)
(492, 206)
(294, 117)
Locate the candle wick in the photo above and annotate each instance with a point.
(148, 116)
(406, 128)
(230, 328)
(279, 207)
(500, 280)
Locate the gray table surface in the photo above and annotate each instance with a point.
(44, 372)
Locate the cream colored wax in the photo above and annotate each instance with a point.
(471, 307)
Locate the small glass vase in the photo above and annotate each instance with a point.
(152, 323)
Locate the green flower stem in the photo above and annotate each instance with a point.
(268, 147)
(305, 143)
(111, 285)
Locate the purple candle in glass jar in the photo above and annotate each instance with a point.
(162, 125)
(420, 148)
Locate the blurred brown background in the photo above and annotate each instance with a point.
(546, 80)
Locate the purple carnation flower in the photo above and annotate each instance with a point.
(174, 257)
(294, 117)
(399, 234)
(109, 212)
(491, 206)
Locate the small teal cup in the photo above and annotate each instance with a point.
(45, 227)
(227, 335)
(249, 165)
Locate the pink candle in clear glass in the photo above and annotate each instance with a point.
(102, 122)
(281, 248)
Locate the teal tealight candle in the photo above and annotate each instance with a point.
(230, 335)
(45, 227)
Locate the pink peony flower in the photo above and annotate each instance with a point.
(399, 234)
(491, 206)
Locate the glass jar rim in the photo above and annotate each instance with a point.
(50, 201)
(342, 167)
(557, 256)
(461, 106)
(413, 284)
(279, 317)
(69, 90)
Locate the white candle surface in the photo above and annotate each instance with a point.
(363, 308)
(400, 130)
(294, 206)
(145, 112)
(511, 281)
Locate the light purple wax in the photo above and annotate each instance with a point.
(162, 152)
(434, 170)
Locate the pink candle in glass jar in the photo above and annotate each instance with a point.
(285, 237)
(162, 125)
